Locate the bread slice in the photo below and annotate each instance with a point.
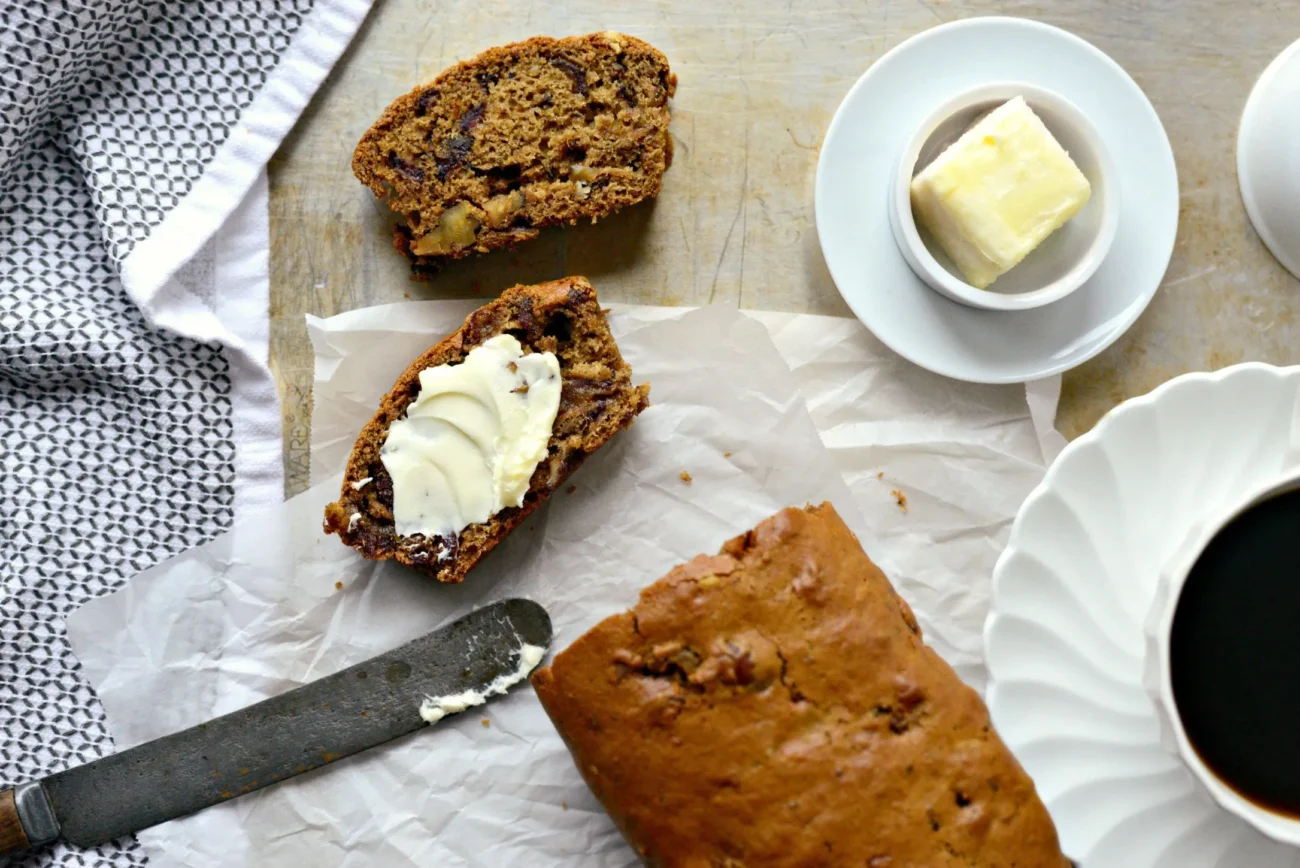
(597, 400)
(538, 133)
(774, 705)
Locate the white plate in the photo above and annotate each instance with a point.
(1064, 640)
(863, 144)
(1267, 170)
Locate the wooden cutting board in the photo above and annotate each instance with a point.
(758, 83)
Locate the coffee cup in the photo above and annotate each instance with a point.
(1221, 644)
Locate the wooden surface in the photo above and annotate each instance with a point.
(758, 83)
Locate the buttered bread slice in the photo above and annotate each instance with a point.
(483, 427)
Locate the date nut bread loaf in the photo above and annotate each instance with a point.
(775, 705)
(483, 427)
(538, 133)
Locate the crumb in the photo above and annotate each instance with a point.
(607, 310)
(406, 295)
(338, 586)
(571, 489)
(726, 455)
(901, 498)
(487, 722)
(685, 477)
(880, 474)
(564, 805)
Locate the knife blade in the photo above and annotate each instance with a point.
(342, 714)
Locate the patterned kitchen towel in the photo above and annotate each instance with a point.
(137, 414)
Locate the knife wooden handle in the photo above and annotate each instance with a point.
(12, 835)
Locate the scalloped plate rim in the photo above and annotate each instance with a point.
(1099, 430)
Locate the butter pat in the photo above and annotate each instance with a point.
(470, 441)
(997, 192)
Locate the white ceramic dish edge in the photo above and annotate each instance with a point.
(1259, 213)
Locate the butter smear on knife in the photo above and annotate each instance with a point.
(435, 708)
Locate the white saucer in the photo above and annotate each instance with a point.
(1267, 169)
(1064, 641)
(863, 144)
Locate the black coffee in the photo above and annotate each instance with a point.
(1235, 654)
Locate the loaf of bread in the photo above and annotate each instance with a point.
(775, 705)
(538, 133)
(597, 400)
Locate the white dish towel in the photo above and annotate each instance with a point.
(137, 414)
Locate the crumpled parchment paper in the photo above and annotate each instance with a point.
(927, 471)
